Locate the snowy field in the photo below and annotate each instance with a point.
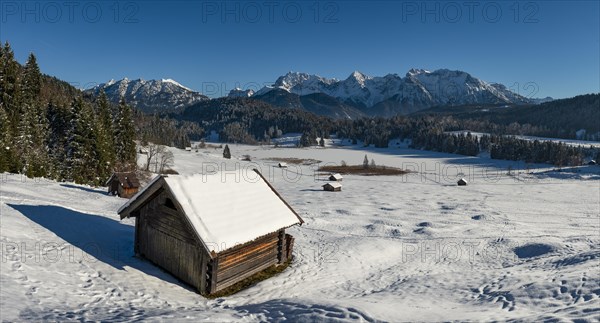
(523, 247)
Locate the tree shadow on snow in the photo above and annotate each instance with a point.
(414, 155)
(86, 189)
(100, 238)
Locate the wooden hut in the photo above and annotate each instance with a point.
(123, 184)
(211, 231)
(282, 165)
(462, 182)
(592, 162)
(333, 187)
(335, 177)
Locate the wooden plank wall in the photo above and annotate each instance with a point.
(127, 192)
(166, 239)
(241, 262)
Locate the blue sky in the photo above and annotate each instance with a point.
(546, 48)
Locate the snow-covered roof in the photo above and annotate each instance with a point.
(333, 184)
(282, 164)
(226, 211)
(336, 176)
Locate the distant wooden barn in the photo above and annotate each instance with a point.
(211, 232)
(282, 165)
(462, 182)
(592, 162)
(333, 187)
(335, 177)
(123, 184)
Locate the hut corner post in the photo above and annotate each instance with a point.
(281, 247)
(289, 241)
(136, 242)
(211, 275)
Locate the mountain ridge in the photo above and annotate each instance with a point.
(420, 86)
(355, 96)
(150, 96)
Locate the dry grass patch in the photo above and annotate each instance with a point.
(295, 161)
(362, 170)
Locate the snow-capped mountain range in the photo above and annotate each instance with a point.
(150, 96)
(419, 89)
(358, 95)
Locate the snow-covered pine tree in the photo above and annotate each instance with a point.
(35, 154)
(9, 86)
(124, 137)
(32, 80)
(81, 153)
(5, 140)
(105, 145)
(59, 124)
(23, 139)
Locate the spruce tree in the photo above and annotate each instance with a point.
(5, 141)
(9, 86)
(59, 125)
(105, 145)
(124, 137)
(33, 126)
(81, 154)
(366, 162)
(24, 140)
(10, 98)
(226, 152)
(32, 80)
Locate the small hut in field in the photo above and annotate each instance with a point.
(332, 187)
(123, 184)
(462, 182)
(335, 177)
(211, 231)
(282, 165)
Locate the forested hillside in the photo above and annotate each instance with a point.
(48, 129)
(558, 119)
(250, 121)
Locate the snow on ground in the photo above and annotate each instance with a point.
(523, 246)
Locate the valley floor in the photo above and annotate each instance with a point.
(524, 246)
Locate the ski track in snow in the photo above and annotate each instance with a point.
(412, 248)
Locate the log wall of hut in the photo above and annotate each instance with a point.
(232, 266)
(127, 192)
(164, 237)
